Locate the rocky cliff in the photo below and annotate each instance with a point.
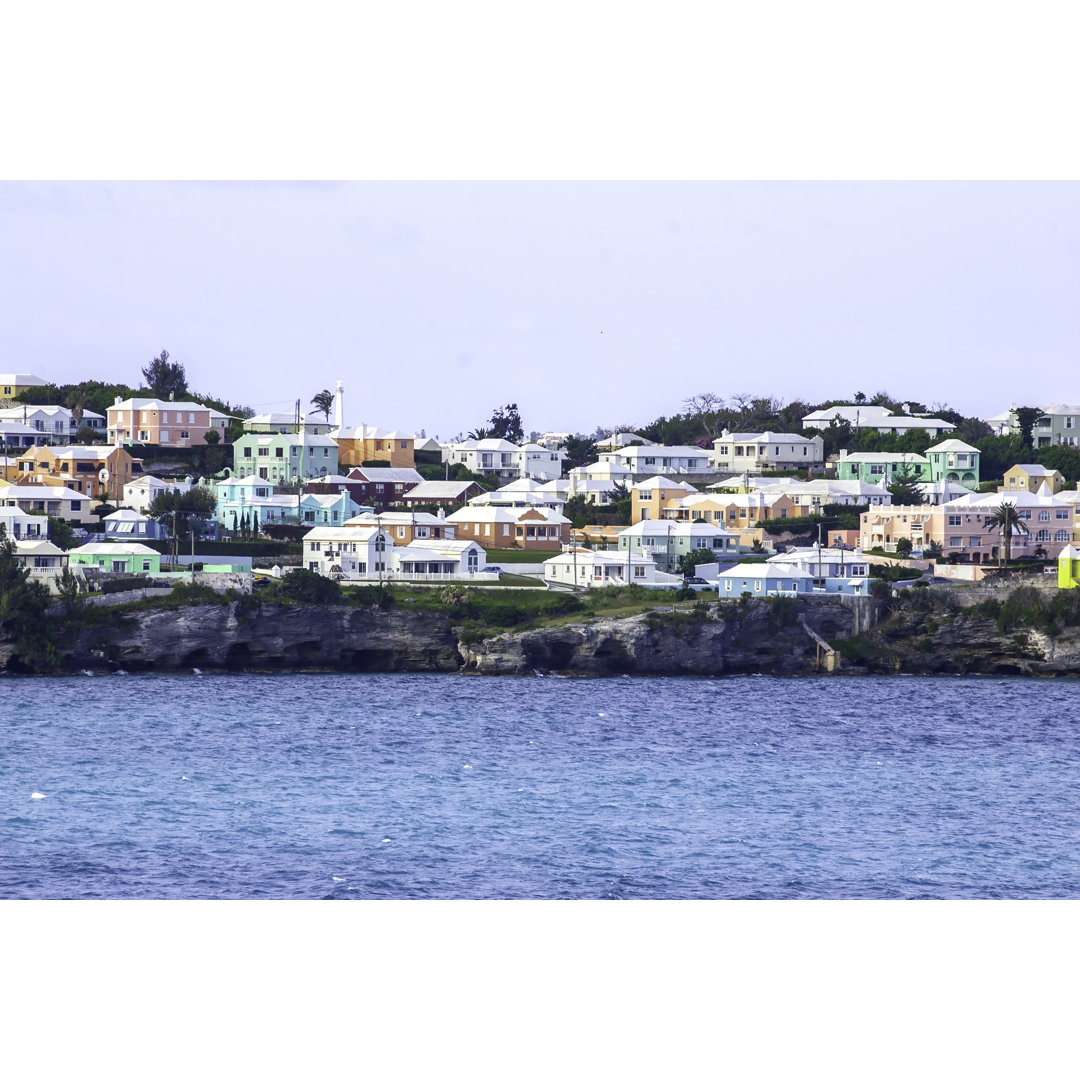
(750, 636)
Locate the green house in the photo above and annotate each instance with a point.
(125, 558)
(956, 462)
(871, 467)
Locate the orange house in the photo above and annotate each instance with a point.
(365, 443)
(533, 529)
(80, 468)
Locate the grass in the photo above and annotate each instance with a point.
(516, 555)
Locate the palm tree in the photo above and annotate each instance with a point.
(1005, 518)
(323, 402)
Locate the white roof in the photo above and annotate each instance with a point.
(126, 515)
(765, 436)
(546, 514)
(663, 482)
(22, 380)
(397, 517)
(344, 533)
(952, 446)
(156, 403)
(438, 489)
(42, 491)
(457, 547)
(586, 556)
(113, 548)
(669, 526)
(36, 547)
(764, 571)
(882, 455)
(379, 475)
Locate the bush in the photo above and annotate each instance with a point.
(307, 587)
(880, 588)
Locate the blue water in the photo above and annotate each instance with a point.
(431, 786)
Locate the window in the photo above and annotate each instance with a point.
(146, 564)
(279, 451)
(954, 519)
(401, 532)
(956, 541)
(247, 451)
(1044, 515)
(1061, 536)
(264, 451)
(1042, 536)
(1061, 515)
(144, 436)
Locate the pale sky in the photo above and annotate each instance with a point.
(585, 303)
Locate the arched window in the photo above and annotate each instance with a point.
(1042, 536)
(1062, 536)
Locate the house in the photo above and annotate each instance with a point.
(1056, 425)
(584, 568)
(139, 494)
(16, 437)
(43, 559)
(51, 424)
(285, 459)
(643, 461)
(649, 497)
(438, 560)
(163, 423)
(817, 494)
(285, 424)
(881, 467)
(49, 496)
(764, 579)
(382, 488)
(745, 511)
(523, 492)
(440, 493)
(1068, 567)
(329, 509)
(93, 470)
(1031, 478)
(741, 451)
(505, 460)
(350, 552)
(954, 461)
(405, 527)
(536, 528)
(131, 525)
(878, 418)
(667, 540)
(248, 498)
(357, 445)
(17, 524)
(116, 558)
(13, 385)
(618, 439)
(963, 527)
(831, 569)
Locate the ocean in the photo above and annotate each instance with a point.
(445, 786)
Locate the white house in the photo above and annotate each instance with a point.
(62, 502)
(878, 418)
(505, 459)
(584, 568)
(645, 461)
(438, 560)
(351, 552)
(43, 559)
(139, 494)
(665, 540)
(742, 451)
(523, 492)
(19, 525)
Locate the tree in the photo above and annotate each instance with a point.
(1025, 418)
(691, 559)
(61, 533)
(505, 423)
(22, 607)
(212, 438)
(905, 487)
(1005, 518)
(580, 450)
(165, 380)
(903, 547)
(323, 402)
(479, 433)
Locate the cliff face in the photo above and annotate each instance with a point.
(730, 640)
(750, 637)
(271, 638)
(725, 639)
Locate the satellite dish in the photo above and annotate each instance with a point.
(103, 476)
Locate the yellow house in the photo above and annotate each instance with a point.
(649, 498)
(366, 443)
(80, 467)
(1068, 568)
(13, 385)
(1031, 478)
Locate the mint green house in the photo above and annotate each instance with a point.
(950, 460)
(127, 558)
(284, 458)
(873, 467)
(955, 461)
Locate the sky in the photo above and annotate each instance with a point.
(588, 304)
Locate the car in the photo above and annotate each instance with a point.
(496, 570)
(698, 581)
